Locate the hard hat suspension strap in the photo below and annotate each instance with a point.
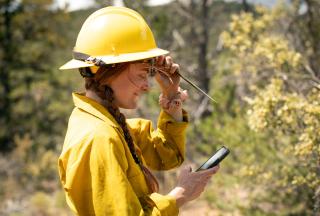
(87, 58)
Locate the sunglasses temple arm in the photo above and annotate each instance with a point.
(188, 81)
(196, 87)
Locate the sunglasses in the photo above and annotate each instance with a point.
(153, 69)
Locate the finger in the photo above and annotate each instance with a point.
(209, 171)
(162, 78)
(203, 181)
(158, 77)
(168, 62)
(184, 95)
(205, 178)
(160, 60)
(215, 168)
(199, 192)
(202, 188)
(174, 68)
(209, 177)
(186, 169)
(207, 174)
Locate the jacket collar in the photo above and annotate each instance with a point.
(94, 108)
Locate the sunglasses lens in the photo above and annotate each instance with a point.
(152, 70)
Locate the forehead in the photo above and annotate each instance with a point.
(144, 62)
(140, 66)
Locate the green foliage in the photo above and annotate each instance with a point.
(283, 104)
(28, 72)
(35, 104)
(267, 111)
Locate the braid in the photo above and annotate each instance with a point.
(121, 119)
(106, 94)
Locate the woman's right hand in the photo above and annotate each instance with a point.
(191, 184)
(168, 79)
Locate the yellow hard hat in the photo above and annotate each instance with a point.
(113, 35)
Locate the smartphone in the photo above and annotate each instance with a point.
(215, 159)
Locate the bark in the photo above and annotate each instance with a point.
(6, 139)
(203, 48)
(313, 25)
(245, 5)
(203, 73)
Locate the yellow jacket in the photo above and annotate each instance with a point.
(99, 174)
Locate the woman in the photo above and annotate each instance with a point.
(105, 161)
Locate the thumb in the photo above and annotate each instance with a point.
(184, 95)
(186, 169)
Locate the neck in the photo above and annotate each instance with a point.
(93, 95)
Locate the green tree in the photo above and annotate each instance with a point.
(274, 78)
(30, 31)
(35, 96)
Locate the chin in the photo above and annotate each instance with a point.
(127, 103)
(128, 106)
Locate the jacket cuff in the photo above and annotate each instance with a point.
(167, 123)
(166, 204)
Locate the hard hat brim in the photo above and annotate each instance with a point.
(112, 59)
(73, 64)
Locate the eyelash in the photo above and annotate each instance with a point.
(143, 77)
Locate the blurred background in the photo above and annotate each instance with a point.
(259, 59)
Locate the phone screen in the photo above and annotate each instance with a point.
(215, 159)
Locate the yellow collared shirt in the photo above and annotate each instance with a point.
(98, 172)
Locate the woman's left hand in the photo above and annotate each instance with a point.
(167, 76)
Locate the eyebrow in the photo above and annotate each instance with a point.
(146, 69)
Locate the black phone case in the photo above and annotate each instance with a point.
(215, 159)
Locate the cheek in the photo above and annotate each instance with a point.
(123, 91)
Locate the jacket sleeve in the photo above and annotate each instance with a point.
(103, 187)
(164, 148)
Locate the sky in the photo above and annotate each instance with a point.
(81, 4)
